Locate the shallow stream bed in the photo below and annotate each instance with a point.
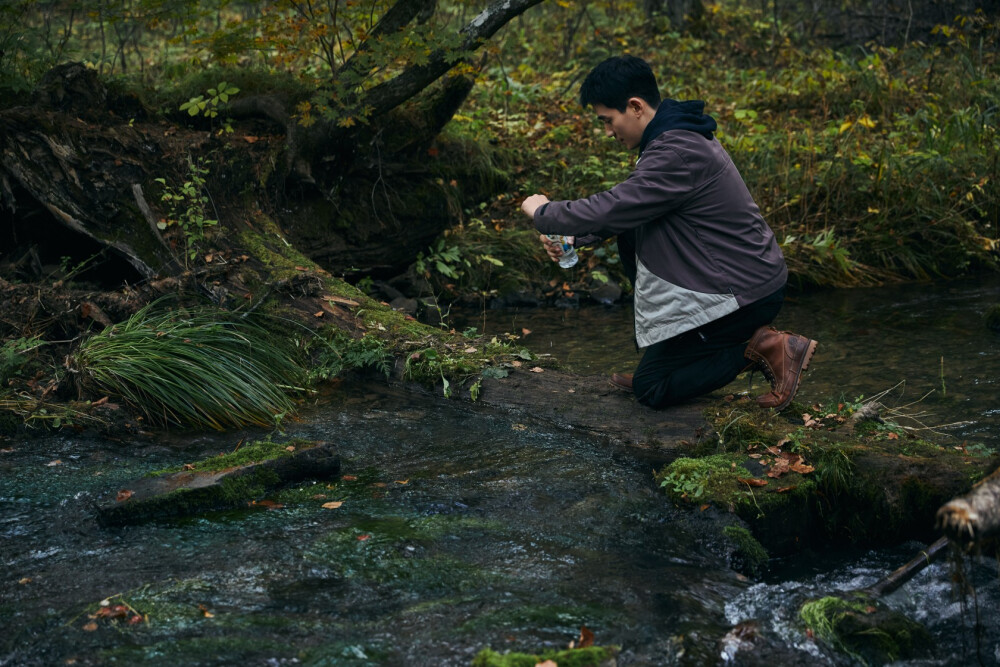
(461, 528)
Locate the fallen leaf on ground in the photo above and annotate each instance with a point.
(537, 369)
(752, 481)
(341, 300)
(362, 538)
(290, 448)
(786, 489)
(90, 627)
(24, 580)
(349, 478)
(332, 505)
(525, 332)
(586, 637)
(205, 612)
(778, 468)
(123, 495)
(269, 504)
(402, 481)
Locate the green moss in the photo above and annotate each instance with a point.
(750, 556)
(403, 552)
(255, 452)
(708, 478)
(591, 656)
(865, 629)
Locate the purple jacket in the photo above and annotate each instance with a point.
(702, 248)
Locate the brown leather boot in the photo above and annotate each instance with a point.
(622, 381)
(781, 356)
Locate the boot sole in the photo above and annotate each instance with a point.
(810, 351)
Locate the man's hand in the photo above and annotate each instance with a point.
(554, 248)
(532, 203)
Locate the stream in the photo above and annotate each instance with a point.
(462, 528)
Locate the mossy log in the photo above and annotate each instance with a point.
(973, 520)
(223, 482)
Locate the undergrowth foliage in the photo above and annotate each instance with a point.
(193, 367)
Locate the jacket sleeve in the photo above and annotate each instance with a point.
(660, 183)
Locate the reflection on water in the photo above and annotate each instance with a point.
(461, 528)
(927, 343)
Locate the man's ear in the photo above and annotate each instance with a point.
(636, 105)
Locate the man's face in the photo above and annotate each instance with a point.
(625, 126)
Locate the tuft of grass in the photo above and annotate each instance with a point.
(192, 367)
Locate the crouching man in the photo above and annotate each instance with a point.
(708, 274)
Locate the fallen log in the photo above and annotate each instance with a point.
(226, 481)
(903, 574)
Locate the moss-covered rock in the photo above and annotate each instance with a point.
(822, 477)
(865, 629)
(591, 656)
(748, 556)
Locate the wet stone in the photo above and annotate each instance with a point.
(223, 482)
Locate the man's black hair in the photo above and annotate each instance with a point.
(615, 80)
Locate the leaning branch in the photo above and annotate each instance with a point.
(387, 96)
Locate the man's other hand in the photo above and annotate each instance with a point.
(532, 203)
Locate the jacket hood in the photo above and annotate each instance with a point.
(674, 115)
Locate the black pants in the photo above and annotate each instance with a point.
(703, 359)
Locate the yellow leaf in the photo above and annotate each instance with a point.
(845, 126)
(333, 504)
(866, 121)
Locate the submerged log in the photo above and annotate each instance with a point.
(219, 483)
(973, 519)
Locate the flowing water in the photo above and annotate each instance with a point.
(462, 528)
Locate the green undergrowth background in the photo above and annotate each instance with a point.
(871, 163)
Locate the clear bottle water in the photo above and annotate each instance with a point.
(569, 257)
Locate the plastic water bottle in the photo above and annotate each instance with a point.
(569, 257)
